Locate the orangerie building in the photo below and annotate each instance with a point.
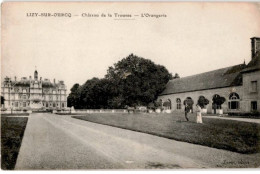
(238, 84)
(33, 93)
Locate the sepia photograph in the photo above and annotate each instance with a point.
(130, 85)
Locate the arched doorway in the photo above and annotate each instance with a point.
(217, 101)
(167, 104)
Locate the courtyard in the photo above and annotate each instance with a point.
(62, 142)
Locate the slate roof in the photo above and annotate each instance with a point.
(224, 77)
(26, 83)
(48, 84)
(23, 83)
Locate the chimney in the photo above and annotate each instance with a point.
(255, 46)
(30, 77)
(40, 78)
(54, 81)
(14, 78)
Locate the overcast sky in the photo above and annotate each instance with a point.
(193, 38)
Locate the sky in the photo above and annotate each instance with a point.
(191, 39)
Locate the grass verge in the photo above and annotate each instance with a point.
(16, 114)
(12, 131)
(230, 135)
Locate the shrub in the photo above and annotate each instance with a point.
(189, 102)
(151, 106)
(202, 101)
(218, 101)
(246, 114)
(49, 110)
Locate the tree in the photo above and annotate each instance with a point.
(116, 102)
(73, 98)
(88, 94)
(202, 101)
(158, 104)
(139, 81)
(132, 81)
(151, 105)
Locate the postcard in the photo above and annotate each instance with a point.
(130, 85)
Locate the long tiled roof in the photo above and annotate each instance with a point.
(219, 78)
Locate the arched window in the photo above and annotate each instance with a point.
(167, 104)
(233, 101)
(178, 101)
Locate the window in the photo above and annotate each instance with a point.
(253, 86)
(167, 104)
(47, 105)
(63, 105)
(54, 105)
(178, 101)
(233, 101)
(16, 90)
(16, 104)
(24, 104)
(253, 105)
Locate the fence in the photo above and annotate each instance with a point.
(85, 111)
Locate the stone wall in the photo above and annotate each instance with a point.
(223, 92)
(250, 95)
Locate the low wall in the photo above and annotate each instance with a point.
(85, 111)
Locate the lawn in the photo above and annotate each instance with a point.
(230, 135)
(12, 130)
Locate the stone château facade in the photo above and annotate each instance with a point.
(238, 84)
(33, 93)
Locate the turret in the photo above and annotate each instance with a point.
(35, 75)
